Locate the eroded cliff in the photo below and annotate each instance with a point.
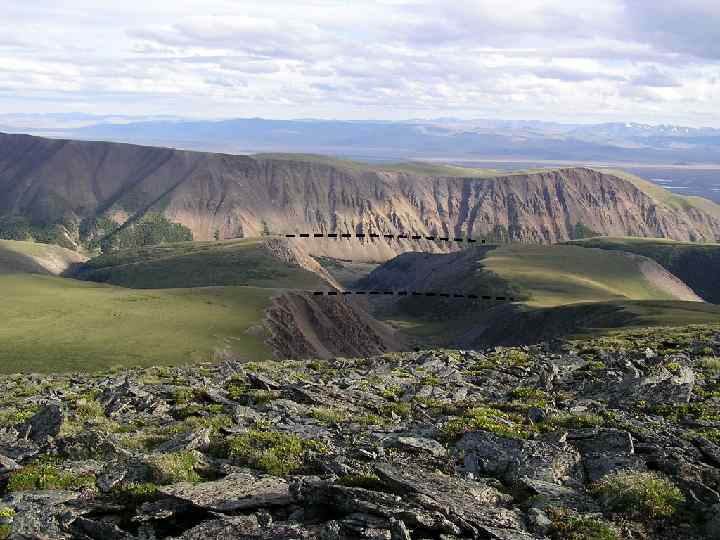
(225, 196)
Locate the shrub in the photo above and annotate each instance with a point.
(709, 364)
(486, 419)
(183, 395)
(403, 410)
(329, 416)
(47, 476)
(639, 494)
(150, 230)
(430, 380)
(533, 396)
(275, 453)
(174, 467)
(579, 528)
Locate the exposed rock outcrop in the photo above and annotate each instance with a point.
(231, 196)
(505, 444)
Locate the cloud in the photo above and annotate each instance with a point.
(572, 75)
(546, 59)
(652, 76)
(686, 26)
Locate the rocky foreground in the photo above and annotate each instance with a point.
(602, 439)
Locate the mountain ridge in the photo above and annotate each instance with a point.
(224, 196)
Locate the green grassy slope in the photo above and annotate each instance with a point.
(19, 256)
(560, 289)
(57, 324)
(196, 264)
(412, 167)
(559, 275)
(698, 265)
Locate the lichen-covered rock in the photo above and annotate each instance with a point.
(43, 514)
(507, 443)
(237, 491)
(45, 423)
(486, 454)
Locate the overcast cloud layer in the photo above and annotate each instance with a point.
(581, 60)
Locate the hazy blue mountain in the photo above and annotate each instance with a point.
(445, 138)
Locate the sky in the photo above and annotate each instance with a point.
(569, 61)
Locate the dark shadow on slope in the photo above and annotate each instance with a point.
(696, 265)
(519, 325)
(12, 262)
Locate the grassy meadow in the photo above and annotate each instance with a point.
(560, 275)
(56, 324)
(691, 262)
(197, 264)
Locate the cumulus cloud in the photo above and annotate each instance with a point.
(547, 59)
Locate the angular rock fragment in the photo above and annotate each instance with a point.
(605, 451)
(190, 440)
(486, 454)
(418, 445)
(237, 491)
(43, 514)
(98, 530)
(44, 423)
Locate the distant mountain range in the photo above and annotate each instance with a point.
(444, 138)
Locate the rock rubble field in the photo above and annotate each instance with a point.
(603, 438)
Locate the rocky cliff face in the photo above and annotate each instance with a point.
(230, 196)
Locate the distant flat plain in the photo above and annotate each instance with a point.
(701, 180)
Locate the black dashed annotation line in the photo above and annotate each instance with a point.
(415, 294)
(387, 237)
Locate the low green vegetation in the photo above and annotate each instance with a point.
(6, 517)
(13, 416)
(709, 364)
(560, 275)
(639, 495)
(151, 229)
(490, 419)
(686, 260)
(174, 467)
(21, 228)
(566, 527)
(196, 264)
(276, 453)
(64, 325)
(18, 257)
(662, 341)
(560, 291)
(530, 396)
(48, 476)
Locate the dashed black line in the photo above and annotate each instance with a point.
(428, 294)
(387, 237)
